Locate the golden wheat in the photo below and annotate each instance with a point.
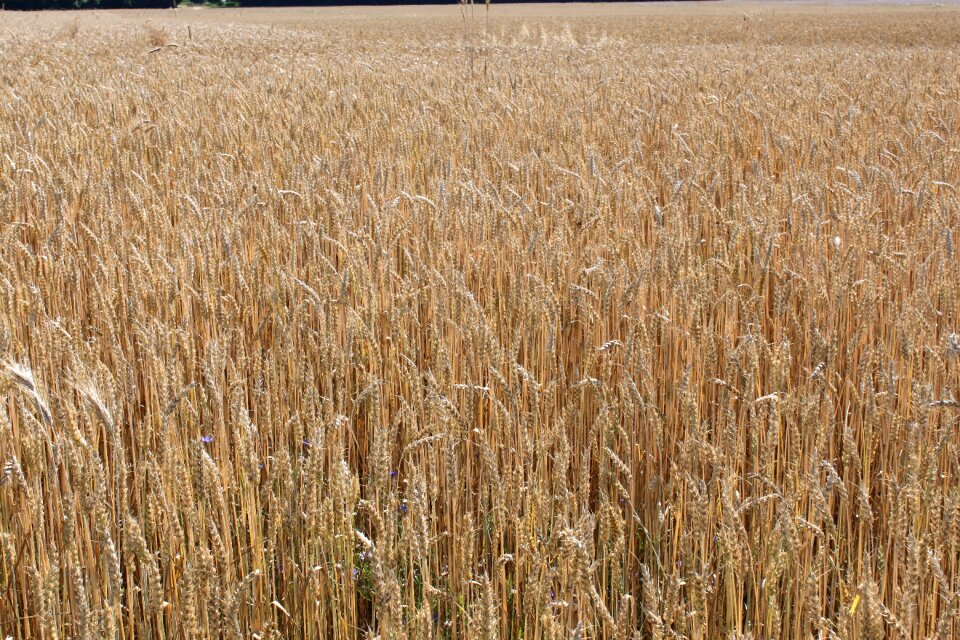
(557, 322)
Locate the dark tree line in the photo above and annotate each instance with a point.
(37, 5)
(34, 5)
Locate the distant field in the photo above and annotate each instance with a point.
(668, 22)
(557, 321)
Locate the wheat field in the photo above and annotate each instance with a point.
(540, 322)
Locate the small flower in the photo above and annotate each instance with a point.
(393, 474)
(206, 439)
(953, 343)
